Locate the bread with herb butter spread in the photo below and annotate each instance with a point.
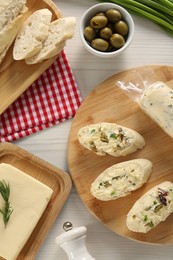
(152, 208)
(110, 138)
(121, 179)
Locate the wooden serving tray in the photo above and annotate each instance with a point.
(58, 180)
(107, 103)
(17, 76)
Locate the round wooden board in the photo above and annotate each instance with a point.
(107, 103)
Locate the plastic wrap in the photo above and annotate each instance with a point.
(154, 97)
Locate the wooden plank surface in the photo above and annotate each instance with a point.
(58, 180)
(17, 76)
(107, 103)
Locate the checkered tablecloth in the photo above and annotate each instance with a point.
(54, 97)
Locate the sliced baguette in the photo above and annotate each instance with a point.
(121, 179)
(110, 139)
(9, 32)
(32, 34)
(4, 4)
(152, 208)
(11, 11)
(60, 31)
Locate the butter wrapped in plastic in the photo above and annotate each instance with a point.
(155, 99)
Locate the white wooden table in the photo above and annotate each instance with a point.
(151, 45)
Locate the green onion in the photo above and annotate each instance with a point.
(160, 11)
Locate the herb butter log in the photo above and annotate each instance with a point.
(152, 208)
(121, 179)
(28, 199)
(110, 138)
(157, 103)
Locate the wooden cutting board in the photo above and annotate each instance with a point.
(58, 180)
(17, 76)
(107, 103)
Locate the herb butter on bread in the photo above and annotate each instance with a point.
(121, 179)
(152, 208)
(110, 138)
(34, 31)
(60, 31)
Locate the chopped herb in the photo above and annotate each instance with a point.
(158, 207)
(93, 146)
(93, 131)
(113, 135)
(145, 218)
(113, 193)
(104, 138)
(106, 184)
(150, 224)
(118, 177)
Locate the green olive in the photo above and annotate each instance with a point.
(113, 15)
(117, 40)
(105, 33)
(89, 33)
(100, 44)
(121, 27)
(98, 21)
(102, 14)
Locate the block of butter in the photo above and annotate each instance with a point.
(28, 199)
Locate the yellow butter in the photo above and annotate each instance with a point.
(28, 198)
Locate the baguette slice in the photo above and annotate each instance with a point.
(10, 30)
(60, 31)
(110, 138)
(10, 11)
(4, 4)
(120, 179)
(30, 39)
(152, 208)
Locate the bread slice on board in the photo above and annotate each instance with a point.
(120, 179)
(32, 34)
(152, 208)
(110, 139)
(60, 31)
(4, 4)
(10, 12)
(11, 20)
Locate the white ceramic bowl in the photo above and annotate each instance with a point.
(102, 7)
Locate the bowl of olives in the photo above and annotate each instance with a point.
(106, 29)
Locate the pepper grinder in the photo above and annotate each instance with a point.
(73, 242)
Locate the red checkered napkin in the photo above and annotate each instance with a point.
(54, 97)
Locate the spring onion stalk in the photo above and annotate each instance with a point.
(157, 6)
(167, 3)
(157, 11)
